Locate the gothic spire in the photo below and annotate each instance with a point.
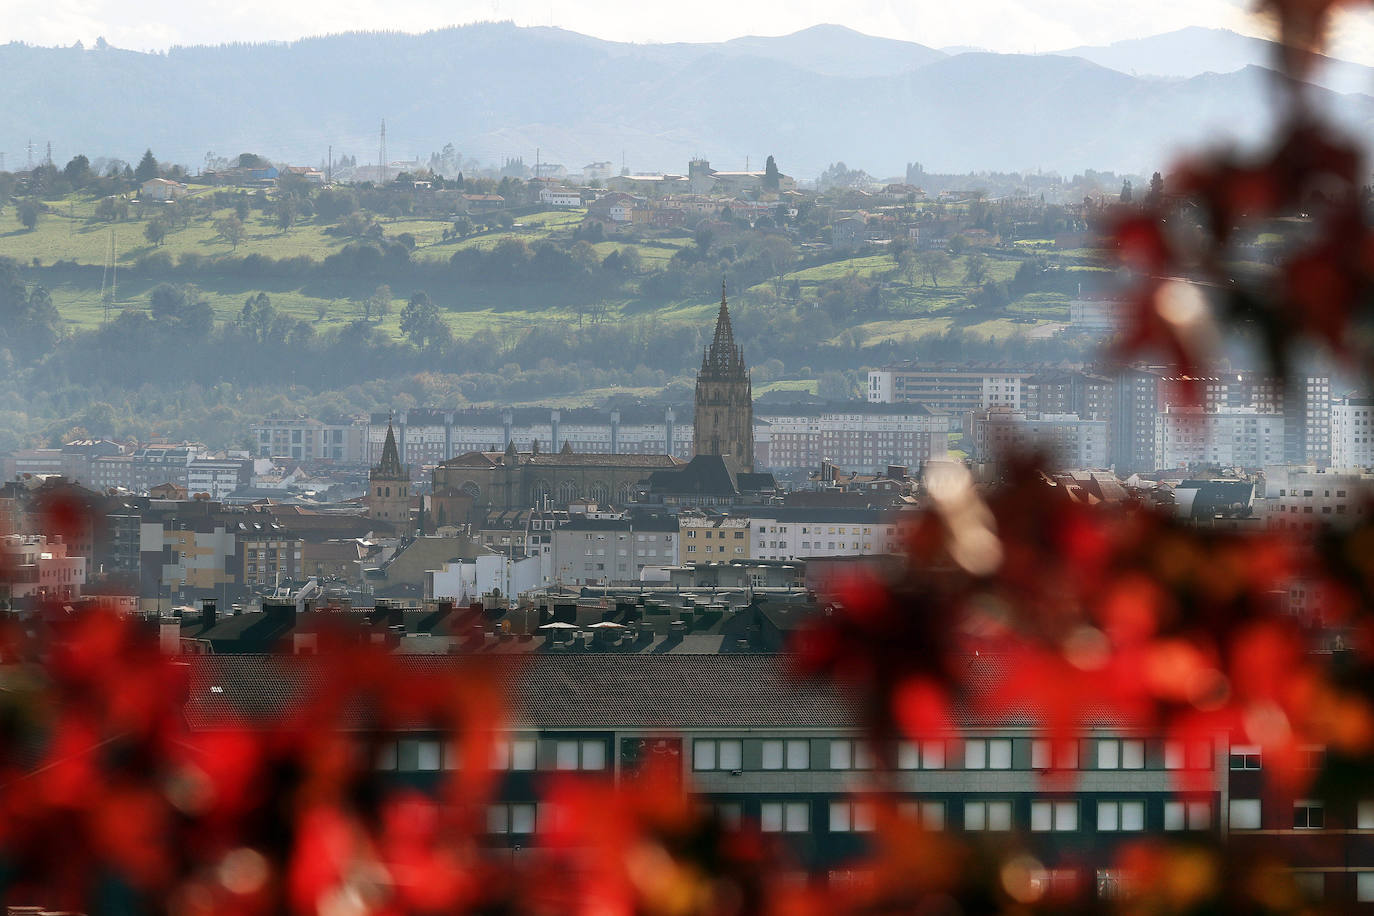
(723, 355)
(390, 466)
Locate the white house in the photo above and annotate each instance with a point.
(161, 189)
(560, 197)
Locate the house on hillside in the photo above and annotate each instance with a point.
(162, 189)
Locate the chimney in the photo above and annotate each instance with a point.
(207, 612)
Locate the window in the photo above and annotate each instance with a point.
(729, 814)
(908, 755)
(516, 818)
(418, 756)
(1245, 814)
(1308, 815)
(1364, 886)
(772, 754)
(784, 817)
(513, 755)
(1312, 884)
(1116, 753)
(1245, 757)
(987, 754)
(1364, 815)
(1195, 815)
(850, 755)
(987, 815)
(712, 754)
(1120, 815)
(932, 755)
(798, 754)
(1063, 753)
(1054, 815)
(848, 816)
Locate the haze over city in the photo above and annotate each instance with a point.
(710, 460)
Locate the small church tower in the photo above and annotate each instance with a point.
(724, 421)
(388, 492)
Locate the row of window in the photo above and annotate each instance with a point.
(978, 754)
(427, 755)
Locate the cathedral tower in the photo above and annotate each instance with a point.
(724, 421)
(388, 489)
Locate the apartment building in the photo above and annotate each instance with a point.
(1305, 498)
(953, 389)
(754, 745)
(790, 533)
(1066, 440)
(34, 565)
(308, 439)
(612, 551)
(1240, 437)
(865, 437)
(1352, 433)
(705, 537)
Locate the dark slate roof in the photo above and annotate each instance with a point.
(704, 475)
(548, 691)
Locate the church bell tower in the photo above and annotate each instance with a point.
(724, 420)
(388, 487)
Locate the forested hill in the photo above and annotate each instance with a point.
(495, 90)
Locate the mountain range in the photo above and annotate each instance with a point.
(818, 96)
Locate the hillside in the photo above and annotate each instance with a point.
(496, 90)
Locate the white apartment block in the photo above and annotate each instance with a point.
(863, 440)
(1352, 435)
(789, 533)
(1303, 498)
(1067, 440)
(1234, 437)
(307, 439)
(957, 390)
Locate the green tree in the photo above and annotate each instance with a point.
(241, 208)
(421, 322)
(147, 167)
(287, 211)
(252, 161)
(77, 171)
(934, 263)
(155, 231)
(976, 269)
(377, 305)
(231, 230)
(27, 211)
(770, 175)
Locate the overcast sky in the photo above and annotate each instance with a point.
(999, 25)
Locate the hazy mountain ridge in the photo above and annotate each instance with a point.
(496, 90)
(1195, 51)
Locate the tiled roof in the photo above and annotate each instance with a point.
(550, 691)
(594, 690)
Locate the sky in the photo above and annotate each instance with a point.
(996, 25)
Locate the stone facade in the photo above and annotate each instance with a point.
(724, 421)
(521, 480)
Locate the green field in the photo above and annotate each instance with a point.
(73, 248)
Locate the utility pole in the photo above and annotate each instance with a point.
(28, 149)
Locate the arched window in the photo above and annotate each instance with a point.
(470, 488)
(540, 492)
(624, 494)
(567, 492)
(599, 492)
